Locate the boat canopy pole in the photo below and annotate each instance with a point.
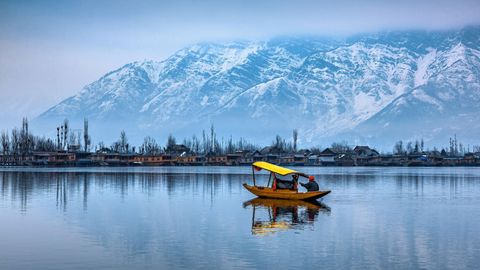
(253, 173)
(269, 178)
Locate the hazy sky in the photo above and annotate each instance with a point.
(50, 49)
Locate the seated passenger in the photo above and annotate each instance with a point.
(284, 184)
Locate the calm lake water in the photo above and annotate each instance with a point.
(202, 218)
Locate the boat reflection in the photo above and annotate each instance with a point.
(273, 215)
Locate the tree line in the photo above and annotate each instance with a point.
(454, 148)
(21, 142)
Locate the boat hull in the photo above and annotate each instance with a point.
(266, 192)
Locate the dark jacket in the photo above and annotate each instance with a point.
(311, 186)
(284, 184)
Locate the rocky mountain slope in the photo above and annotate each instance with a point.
(367, 89)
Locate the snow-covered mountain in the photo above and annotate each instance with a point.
(367, 89)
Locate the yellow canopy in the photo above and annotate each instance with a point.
(274, 168)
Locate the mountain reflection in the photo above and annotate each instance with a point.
(273, 215)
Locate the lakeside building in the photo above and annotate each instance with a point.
(359, 156)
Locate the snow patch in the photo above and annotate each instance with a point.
(363, 104)
(423, 63)
(204, 101)
(420, 95)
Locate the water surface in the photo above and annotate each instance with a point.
(201, 217)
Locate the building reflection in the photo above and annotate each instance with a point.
(75, 187)
(273, 215)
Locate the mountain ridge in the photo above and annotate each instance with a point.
(328, 89)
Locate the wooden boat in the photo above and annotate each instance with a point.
(272, 191)
(285, 193)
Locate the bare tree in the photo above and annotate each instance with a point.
(86, 137)
(279, 145)
(101, 146)
(44, 145)
(115, 147)
(212, 138)
(340, 147)
(58, 137)
(65, 133)
(398, 148)
(476, 148)
(204, 142)
(455, 146)
(150, 146)
(72, 139)
(15, 141)
(295, 138)
(230, 146)
(5, 142)
(217, 146)
(24, 139)
(450, 148)
(242, 144)
(316, 150)
(123, 142)
(171, 142)
(195, 144)
(188, 143)
(461, 149)
(409, 147)
(79, 139)
(61, 138)
(417, 147)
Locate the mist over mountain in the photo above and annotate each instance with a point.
(368, 89)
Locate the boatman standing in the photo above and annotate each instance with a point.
(311, 185)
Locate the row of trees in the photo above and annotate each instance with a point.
(21, 142)
(209, 143)
(66, 137)
(400, 148)
(455, 148)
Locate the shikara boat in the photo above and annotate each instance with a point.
(272, 190)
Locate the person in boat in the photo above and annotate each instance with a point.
(286, 184)
(311, 185)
